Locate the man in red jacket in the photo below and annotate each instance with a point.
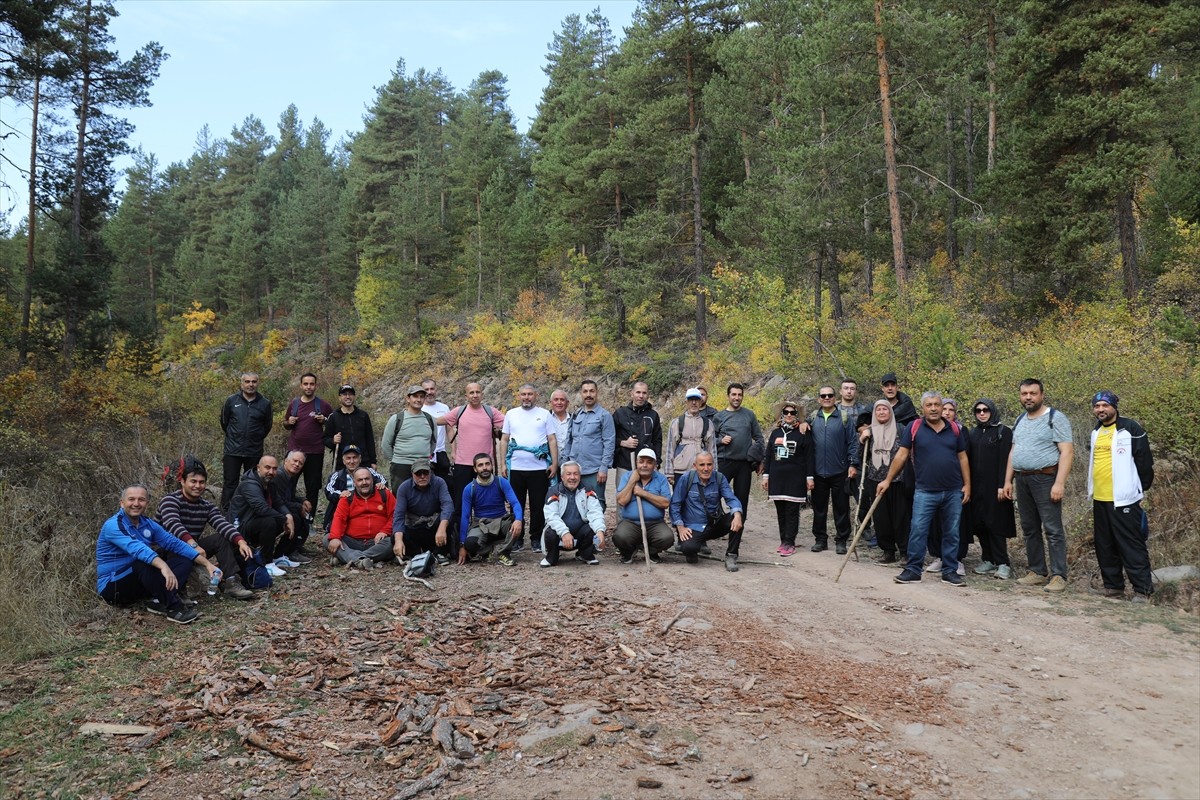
(361, 534)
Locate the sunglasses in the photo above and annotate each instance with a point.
(825, 396)
(789, 412)
(982, 410)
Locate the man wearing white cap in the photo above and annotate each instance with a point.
(688, 435)
(649, 489)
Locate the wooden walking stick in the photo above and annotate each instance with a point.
(641, 516)
(861, 527)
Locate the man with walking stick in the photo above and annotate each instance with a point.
(644, 496)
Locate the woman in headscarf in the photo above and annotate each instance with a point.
(989, 515)
(894, 512)
(785, 473)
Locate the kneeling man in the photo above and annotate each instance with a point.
(697, 514)
(649, 489)
(574, 519)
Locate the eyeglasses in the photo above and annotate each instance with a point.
(983, 410)
(825, 396)
(789, 412)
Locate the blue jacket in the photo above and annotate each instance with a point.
(591, 440)
(487, 502)
(122, 542)
(835, 443)
(692, 501)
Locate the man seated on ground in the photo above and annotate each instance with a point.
(262, 515)
(185, 514)
(486, 523)
(422, 516)
(298, 506)
(128, 569)
(361, 532)
(649, 489)
(574, 519)
(341, 482)
(697, 514)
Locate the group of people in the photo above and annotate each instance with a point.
(469, 483)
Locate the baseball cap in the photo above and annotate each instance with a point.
(416, 388)
(694, 393)
(421, 465)
(646, 452)
(346, 388)
(888, 377)
(351, 448)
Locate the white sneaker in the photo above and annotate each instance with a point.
(544, 563)
(284, 561)
(274, 571)
(962, 570)
(934, 566)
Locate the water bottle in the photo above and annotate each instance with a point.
(214, 582)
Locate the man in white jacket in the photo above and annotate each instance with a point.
(1120, 470)
(574, 519)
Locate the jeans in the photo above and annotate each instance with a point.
(353, 549)
(825, 489)
(1039, 512)
(946, 507)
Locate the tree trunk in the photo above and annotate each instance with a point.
(1127, 234)
(889, 153)
(991, 71)
(71, 317)
(969, 148)
(27, 289)
(833, 274)
(951, 181)
(818, 310)
(697, 219)
(746, 154)
(478, 252)
(868, 262)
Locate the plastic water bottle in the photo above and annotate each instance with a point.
(214, 582)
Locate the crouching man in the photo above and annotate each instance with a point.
(361, 534)
(649, 489)
(574, 519)
(698, 516)
(128, 569)
(485, 523)
(422, 515)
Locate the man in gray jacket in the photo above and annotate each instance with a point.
(835, 445)
(737, 431)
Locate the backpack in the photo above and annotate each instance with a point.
(421, 566)
(915, 425)
(703, 430)
(432, 431)
(1049, 420)
(254, 572)
(496, 434)
(172, 474)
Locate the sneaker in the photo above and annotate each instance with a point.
(284, 561)
(297, 558)
(731, 564)
(787, 550)
(627, 558)
(954, 579)
(536, 548)
(1003, 572)
(655, 558)
(907, 577)
(872, 542)
(518, 547)
(181, 615)
(819, 547)
(1032, 579)
(505, 561)
(232, 588)
(365, 564)
(155, 607)
(985, 568)
(333, 561)
(1107, 592)
(779, 550)
(591, 562)
(442, 559)
(840, 547)
(704, 551)
(886, 558)
(962, 570)
(934, 566)
(274, 571)
(545, 563)
(1057, 585)
(1138, 597)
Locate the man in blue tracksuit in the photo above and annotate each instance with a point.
(485, 521)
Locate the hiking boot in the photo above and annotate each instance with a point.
(840, 547)
(1032, 579)
(985, 568)
(626, 558)
(506, 561)
(591, 562)
(819, 547)
(181, 615)
(934, 566)
(1057, 585)
(886, 558)
(731, 564)
(1003, 572)
(954, 579)
(656, 558)
(233, 589)
(1138, 597)
(545, 563)
(907, 577)
(692, 558)
(1107, 592)
(704, 551)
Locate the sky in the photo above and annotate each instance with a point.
(230, 59)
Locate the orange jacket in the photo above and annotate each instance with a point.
(364, 517)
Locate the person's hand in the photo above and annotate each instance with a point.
(568, 542)
(462, 555)
(736, 525)
(551, 470)
(600, 540)
(811, 484)
(1056, 492)
(803, 428)
(852, 473)
(289, 525)
(726, 439)
(211, 568)
(765, 479)
(333, 546)
(685, 533)
(881, 488)
(440, 539)
(379, 537)
(1007, 491)
(629, 443)
(346, 493)
(516, 527)
(966, 495)
(601, 478)
(1000, 493)
(291, 420)
(337, 438)
(862, 437)
(398, 547)
(306, 507)
(502, 470)
(244, 550)
(319, 417)
(172, 583)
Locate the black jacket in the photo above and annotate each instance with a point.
(355, 428)
(246, 424)
(252, 500)
(640, 422)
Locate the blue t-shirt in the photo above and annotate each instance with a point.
(658, 485)
(935, 458)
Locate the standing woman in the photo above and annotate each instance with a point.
(894, 512)
(788, 465)
(989, 515)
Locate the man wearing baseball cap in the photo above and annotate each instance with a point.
(410, 434)
(421, 521)
(1120, 470)
(690, 434)
(648, 488)
(348, 425)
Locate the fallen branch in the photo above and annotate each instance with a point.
(430, 781)
(151, 739)
(747, 561)
(262, 743)
(850, 712)
(114, 729)
(675, 619)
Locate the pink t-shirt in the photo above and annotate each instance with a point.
(474, 432)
